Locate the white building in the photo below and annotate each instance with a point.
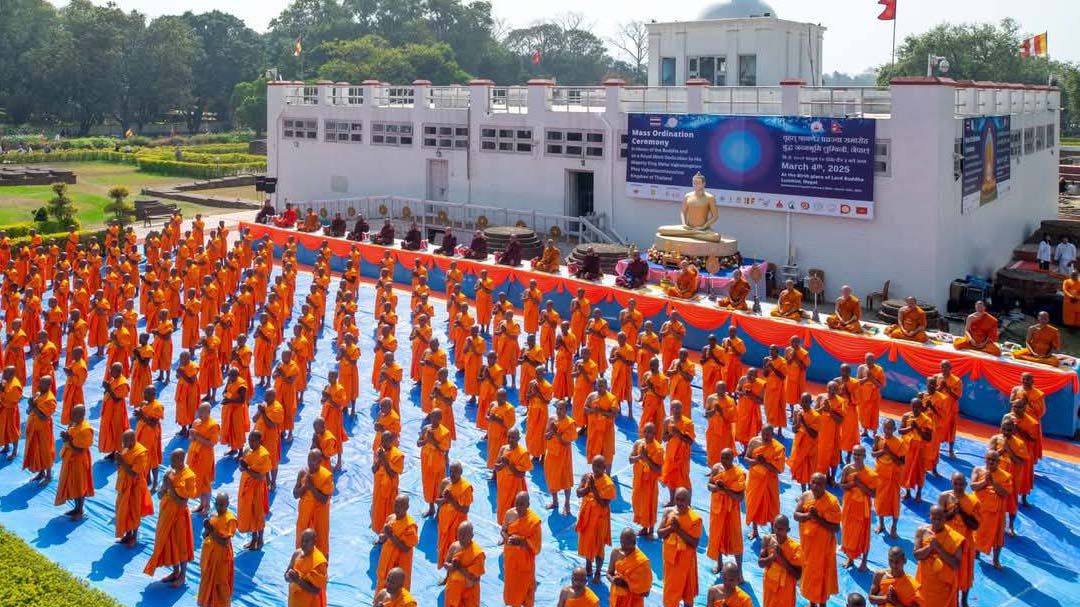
(738, 43)
(562, 150)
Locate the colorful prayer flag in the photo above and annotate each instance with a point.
(536, 57)
(298, 46)
(889, 12)
(1034, 46)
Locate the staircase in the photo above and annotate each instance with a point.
(1021, 279)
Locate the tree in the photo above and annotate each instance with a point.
(568, 54)
(25, 27)
(374, 57)
(249, 105)
(632, 40)
(228, 52)
(165, 69)
(60, 207)
(122, 210)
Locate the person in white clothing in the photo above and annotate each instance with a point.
(1045, 253)
(1065, 254)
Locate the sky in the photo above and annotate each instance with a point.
(854, 41)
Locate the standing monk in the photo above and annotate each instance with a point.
(962, 511)
(596, 491)
(893, 586)
(727, 484)
(314, 487)
(647, 458)
(889, 453)
(560, 434)
(680, 530)
(798, 361)
(434, 446)
(720, 416)
(629, 572)
(859, 483)
(782, 560)
(679, 435)
(939, 551)
(306, 573)
(994, 488)
(254, 495)
(512, 463)
(133, 500)
(216, 558)
(765, 461)
(387, 468)
(398, 538)
(818, 515)
(174, 544)
(76, 475)
(870, 382)
(1070, 305)
(40, 442)
(114, 415)
(455, 498)
(521, 533)
(654, 391)
(200, 457)
(465, 562)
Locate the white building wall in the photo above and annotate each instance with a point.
(918, 237)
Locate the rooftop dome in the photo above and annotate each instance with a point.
(737, 9)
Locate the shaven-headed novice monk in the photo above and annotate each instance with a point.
(859, 483)
(434, 443)
(1042, 341)
(848, 314)
(253, 501)
(40, 450)
(578, 594)
(737, 294)
(818, 515)
(994, 488)
(596, 491)
(910, 322)
(394, 592)
(216, 563)
(765, 458)
(174, 544)
(686, 282)
(680, 531)
(781, 558)
(728, 593)
(398, 538)
(521, 535)
(306, 573)
(893, 587)
(962, 515)
(789, 305)
(727, 483)
(629, 572)
(465, 565)
(980, 332)
(455, 498)
(647, 458)
(939, 551)
(387, 468)
(76, 474)
(314, 487)
(133, 500)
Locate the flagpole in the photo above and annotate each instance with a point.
(894, 36)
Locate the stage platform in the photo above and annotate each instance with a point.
(1041, 565)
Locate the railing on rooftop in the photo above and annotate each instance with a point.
(347, 95)
(449, 97)
(576, 98)
(741, 100)
(845, 102)
(652, 99)
(508, 99)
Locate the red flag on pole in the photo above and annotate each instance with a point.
(889, 11)
(536, 57)
(1025, 47)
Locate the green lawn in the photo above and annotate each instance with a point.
(28, 579)
(17, 203)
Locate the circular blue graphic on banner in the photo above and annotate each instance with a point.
(742, 152)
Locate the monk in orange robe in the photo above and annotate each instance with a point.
(1016, 460)
(46, 358)
(1035, 405)
(680, 530)
(398, 538)
(622, 365)
(939, 551)
(235, 421)
(781, 558)
(962, 511)
(1070, 305)
(993, 486)
(917, 428)
(133, 499)
(387, 468)
(893, 586)
(253, 501)
(655, 387)
(1042, 342)
(720, 415)
(889, 456)
(265, 344)
(432, 360)
(712, 367)
(501, 417)
(629, 572)
(455, 498)
(306, 573)
(774, 371)
(522, 533)
(789, 305)
(648, 347)
(681, 373)
(148, 418)
(859, 483)
(728, 592)
(15, 352)
(550, 259)
(314, 488)
(737, 293)
(980, 332)
(585, 375)
(596, 491)
(114, 416)
(848, 313)
(647, 458)
(559, 434)
(174, 543)
(511, 464)
(434, 443)
(765, 461)
(566, 347)
(596, 333)
(163, 348)
(549, 325)
(798, 361)
(671, 338)
(40, 442)
(727, 485)
(203, 436)
(601, 406)
(751, 396)
(910, 322)
(818, 515)
(11, 391)
(76, 474)
(286, 378)
(679, 435)
(538, 394)
(686, 281)
(733, 348)
(464, 562)
(216, 558)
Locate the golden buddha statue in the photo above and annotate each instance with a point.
(699, 213)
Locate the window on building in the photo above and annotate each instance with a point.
(747, 70)
(574, 143)
(1014, 145)
(883, 157)
(343, 131)
(1049, 136)
(446, 137)
(713, 69)
(667, 71)
(624, 142)
(509, 140)
(392, 133)
(299, 128)
(1040, 138)
(1029, 140)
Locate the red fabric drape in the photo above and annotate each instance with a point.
(700, 317)
(649, 306)
(851, 348)
(1005, 376)
(547, 283)
(927, 361)
(770, 332)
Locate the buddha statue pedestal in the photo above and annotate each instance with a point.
(709, 256)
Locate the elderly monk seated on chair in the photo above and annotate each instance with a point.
(449, 244)
(550, 260)
(910, 322)
(311, 222)
(511, 256)
(686, 283)
(634, 274)
(848, 314)
(385, 237)
(412, 239)
(737, 294)
(790, 304)
(1043, 340)
(980, 332)
(478, 247)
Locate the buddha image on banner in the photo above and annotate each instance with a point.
(987, 160)
(798, 164)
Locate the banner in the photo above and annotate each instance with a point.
(799, 164)
(987, 160)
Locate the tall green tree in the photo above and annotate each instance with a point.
(570, 54)
(25, 27)
(374, 57)
(165, 69)
(228, 52)
(249, 105)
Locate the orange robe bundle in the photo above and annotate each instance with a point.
(819, 578)
(216, 563)
(645, 495)
(725, 513)
(856, 514)
(519, 561)
(174, 541)
(390, 556)
(594, 519)
(133, 499)
(680, 560)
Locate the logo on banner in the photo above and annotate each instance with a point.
(654, 121)
(861, 211)
(845, 209)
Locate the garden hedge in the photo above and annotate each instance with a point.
(28, 579)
